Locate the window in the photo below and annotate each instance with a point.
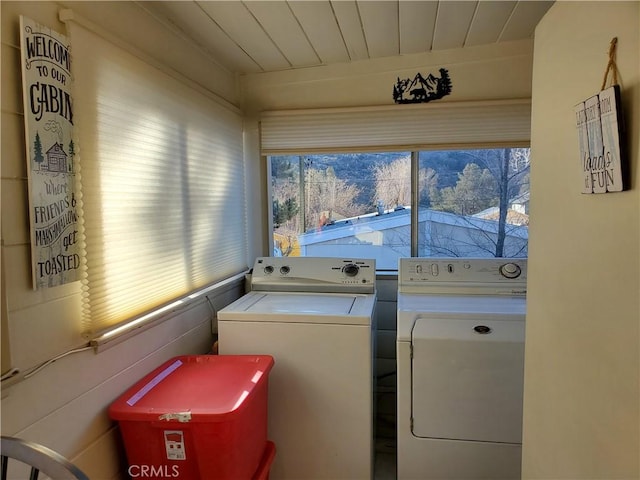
(469, 202)
(388, 181)
(473, 203)
(162, 177)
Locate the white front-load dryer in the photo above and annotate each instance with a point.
(460, 355)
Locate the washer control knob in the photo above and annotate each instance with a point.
(350, 270)
(510, 270)
(268, 269)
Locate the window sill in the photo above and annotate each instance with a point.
(137, 325)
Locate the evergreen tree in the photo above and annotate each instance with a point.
(286, 189)
(444, 85)
(72, 153)
(474, 192)
(284, 211)
(38, 157)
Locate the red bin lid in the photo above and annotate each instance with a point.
(203, 388)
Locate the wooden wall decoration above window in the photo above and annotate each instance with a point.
(420, 89)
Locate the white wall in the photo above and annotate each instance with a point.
(581, 412)
(499, 71)
(64, 405)
(490, 72)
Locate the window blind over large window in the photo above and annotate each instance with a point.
(397, 127)
(162, 178)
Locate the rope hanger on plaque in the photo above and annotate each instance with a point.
(611, 64)
(600, 135)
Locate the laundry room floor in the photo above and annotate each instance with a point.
(385, 444)
(385, 463)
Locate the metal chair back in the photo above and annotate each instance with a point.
(39, 458)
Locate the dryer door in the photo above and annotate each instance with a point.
(467, 378)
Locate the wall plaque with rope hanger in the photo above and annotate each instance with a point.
(601, 135)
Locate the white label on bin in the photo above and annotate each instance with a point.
(179, 416)
(154, 381)
(174, 445)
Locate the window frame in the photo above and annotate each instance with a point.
(415, 211)
(444, 125)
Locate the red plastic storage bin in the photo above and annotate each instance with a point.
(265, 464)
(197, 417)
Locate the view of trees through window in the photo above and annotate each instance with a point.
(471, 203)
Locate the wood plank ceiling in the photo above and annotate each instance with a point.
(273, 35)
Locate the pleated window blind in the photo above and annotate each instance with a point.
(162, 178)
(397, 127)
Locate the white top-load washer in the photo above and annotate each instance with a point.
(460, 356)
(315, 316)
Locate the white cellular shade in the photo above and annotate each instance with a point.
(162, 181)
(397, 127)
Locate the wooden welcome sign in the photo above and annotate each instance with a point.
(600, 136)
(53, 192)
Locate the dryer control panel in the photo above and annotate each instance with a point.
(314, 274)
(463, 275)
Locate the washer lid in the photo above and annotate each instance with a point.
(303, 303)
(467, 379)
(334, 308)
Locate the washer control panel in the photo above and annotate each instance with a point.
(314, 274)
(455, 275)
